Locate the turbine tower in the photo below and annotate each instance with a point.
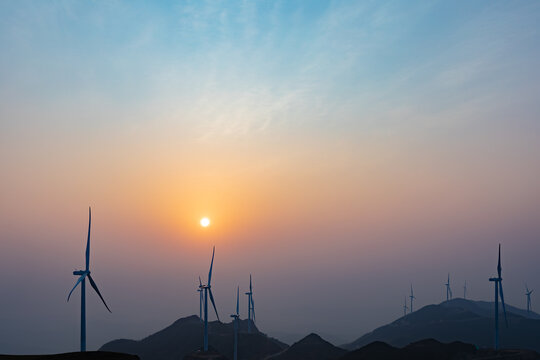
(412, 298)
(208, 291)
(528, 294)
(236, 317)
(200, 291)
(83, 274)
(448, 290)
(405, 308)
(465, 290)
(498, 289)
(251, 305)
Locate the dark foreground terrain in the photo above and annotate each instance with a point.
(313, 347)
(431, 349)
(89, 355)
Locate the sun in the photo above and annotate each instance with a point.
(205, 222)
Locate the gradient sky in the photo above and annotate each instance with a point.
(342, 150)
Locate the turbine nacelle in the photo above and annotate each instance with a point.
(81, 272)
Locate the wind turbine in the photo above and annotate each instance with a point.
(405, 308)
(528, 294)
(208, 290)
(83, 274)
(465, 290)
(251, 305)
(236, 317)
(412, 298)
(498, 289)
(200, 291)
(448, 290)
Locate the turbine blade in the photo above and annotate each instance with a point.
(249, 282)
(81, 278)
(253, 308)
(88, 239)
(213, 303)
(211, 265)
(97, 290)
(237, 300)
(499, 263)
(200, 282)
(503, 305)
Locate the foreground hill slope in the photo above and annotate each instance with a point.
(430, 349)
(185, 336)
(312, 347)
(89, 355)
(455, 321)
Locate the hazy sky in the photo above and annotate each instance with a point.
(341, 149)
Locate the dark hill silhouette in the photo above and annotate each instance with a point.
(312, 347)
(431, 349)
(89, 355)
(425, 349)
(449, 322)
(185, 336)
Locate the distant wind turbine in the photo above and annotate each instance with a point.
(405, 308)
(208, 290)
(412, 298)
(448, 289)
(200, 291)
(83, 274)
(251, 305)
(528, 294)
(236, 317)
(498, 289)
(465, 290)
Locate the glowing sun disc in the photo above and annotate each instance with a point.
(205, 222)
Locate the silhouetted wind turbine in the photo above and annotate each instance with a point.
(405, 306)
(251, 305)
(236, 317)
(82, 280)
(528, 294)
(448, 290)
(465, 290)
(208, 290)
(412, 298)
(498, 289)
(200, 291)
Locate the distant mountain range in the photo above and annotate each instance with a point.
(185, 336)
(458, 320)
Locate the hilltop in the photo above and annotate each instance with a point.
(312, 347)
(457, 320)
(185, 336)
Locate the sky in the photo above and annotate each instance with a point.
(343, 150)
